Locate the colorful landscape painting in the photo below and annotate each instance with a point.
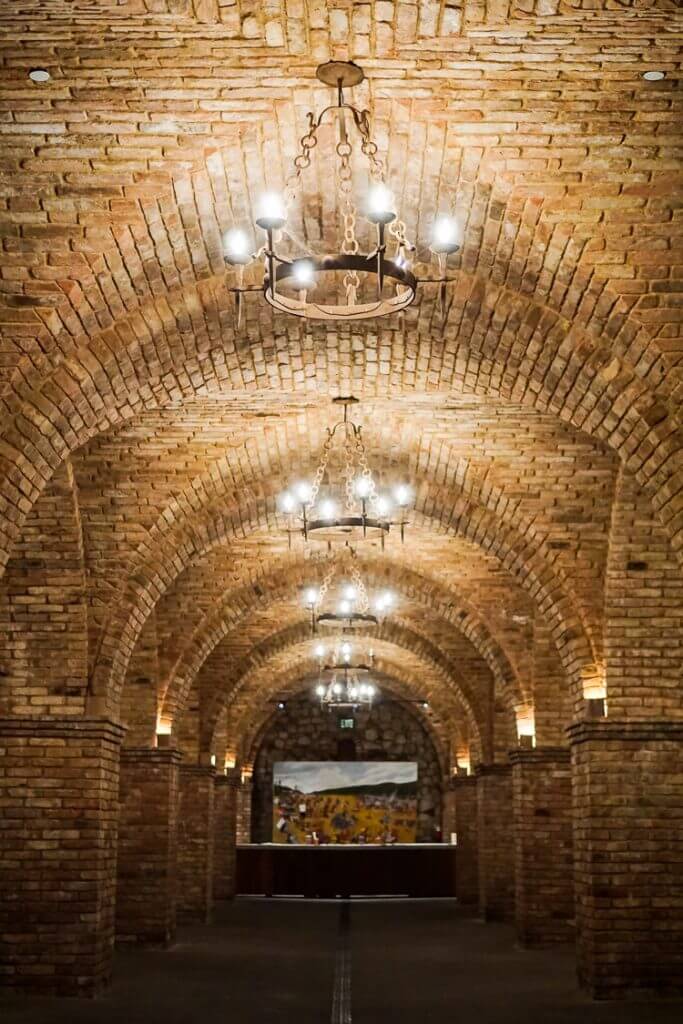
(344, 802)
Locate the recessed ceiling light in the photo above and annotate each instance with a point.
(39, 75)
(653, 76)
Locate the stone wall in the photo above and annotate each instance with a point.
(305, 732)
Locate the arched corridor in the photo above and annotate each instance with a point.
(341, 508)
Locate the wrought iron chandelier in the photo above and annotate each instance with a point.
(346, 689)
(343, 681)
(350, 508)
(354, 609)
(373, 283)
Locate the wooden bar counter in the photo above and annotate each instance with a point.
(416, 869)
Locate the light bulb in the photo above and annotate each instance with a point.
(281, 705)
(349, 592)
(311, 596)
(236, 246)
(287, 502)
(425, 705)
(353, 693)
(362, 486)
(388, 598)
(337, 688)
(402, 495)
(320, 691)
(383, 505)
(303, 492)
(319, 651)
(370, 690)
(328, 509)
(346, 651)
(303, 272)
(270, 212)
(380, 204)
(344, 607)
(445, 234)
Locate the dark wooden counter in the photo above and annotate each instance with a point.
(421, 869)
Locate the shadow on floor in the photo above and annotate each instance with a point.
(272, 962)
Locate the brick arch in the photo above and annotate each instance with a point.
(518, 350)
(290, 665)
(395, 688)
(295, 638)
(521, 555)
(442, 602)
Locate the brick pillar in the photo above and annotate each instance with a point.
(244, 800)
(464, 789)
(195, 843)
(544, 866)
(628, 850)
(225, 836)
(148, 846)
(495, 842)
(59, 785)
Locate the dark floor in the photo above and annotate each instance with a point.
(274, 963)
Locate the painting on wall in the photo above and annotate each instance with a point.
(318, 802)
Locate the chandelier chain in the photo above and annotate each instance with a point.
(322, 466)
(369, 146)
(302, 160)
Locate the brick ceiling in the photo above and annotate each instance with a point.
(557, 367)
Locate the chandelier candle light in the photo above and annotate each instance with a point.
(289, 280)
(352, 508)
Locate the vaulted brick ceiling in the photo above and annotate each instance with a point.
(135, 412)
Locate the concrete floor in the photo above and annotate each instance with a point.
(274, 963)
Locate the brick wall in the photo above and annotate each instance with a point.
(196, 831)
(59, 782)
(628, 842)
(495, 842)
(464, 789)
(147, 876)
(543, 845)
(225, 836)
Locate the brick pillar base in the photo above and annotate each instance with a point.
(544, 879)
(147, 860)
(628, 843)
(464, 789)
(59, 782)
(195, 843)
(495, 842)
(225, 822)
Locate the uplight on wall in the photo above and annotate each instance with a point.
(595, 695)
(526, 726)
(163, 736)
(463, 765)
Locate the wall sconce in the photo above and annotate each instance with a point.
(163, 735)
(595, 695)
(462, 762)
(526, 727)
(246, 774)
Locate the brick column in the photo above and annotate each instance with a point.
(195, 843)
(59, 784)
(464, 789)
(148, 845)
(628, 843)
(225, 836)
(542, 812)
(244, 795)
(495, 842)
